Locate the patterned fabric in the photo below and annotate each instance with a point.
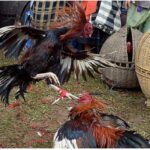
(108, 16)
(139, 20)
(44, 13)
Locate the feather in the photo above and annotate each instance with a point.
(91, 128)
(114, 121)
(84, 72)
(12, 76)
(16, 47)
(131, 139)
(13, 41)
(6, 29)
(80, 63)
(72, 17)
(72, 132)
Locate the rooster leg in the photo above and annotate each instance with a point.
(20, 93)
(22, 89)
(54, 79)
(51, 79)
(51, 76)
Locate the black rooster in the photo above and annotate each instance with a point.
(52, 54)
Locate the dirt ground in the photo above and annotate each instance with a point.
(34, 122)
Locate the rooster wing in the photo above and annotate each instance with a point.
(74, 134)
(13, 40)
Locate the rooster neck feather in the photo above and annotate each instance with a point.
(89, 114)
(94, 106)
(73, 18)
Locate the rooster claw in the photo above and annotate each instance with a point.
(49, 75)
(18, 94)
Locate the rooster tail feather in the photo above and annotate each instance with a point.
(81, 64)
(11, 76)
(13, 39)
(131, 139)
(5, 84)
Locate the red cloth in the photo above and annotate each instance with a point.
(89, 8)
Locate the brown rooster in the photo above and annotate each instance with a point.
(90, 127)
(52, 54)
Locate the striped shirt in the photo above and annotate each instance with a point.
(107, 18)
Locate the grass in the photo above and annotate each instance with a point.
(33, 123)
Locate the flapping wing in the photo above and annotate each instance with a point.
(81, 63)
(13, 39)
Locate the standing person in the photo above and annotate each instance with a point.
(138, 14)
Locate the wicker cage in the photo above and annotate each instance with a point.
(44, 13)
(142, 65)
(115, 49)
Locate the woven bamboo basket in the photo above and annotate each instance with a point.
(142, 63)
(44, 13)
(115, 49)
